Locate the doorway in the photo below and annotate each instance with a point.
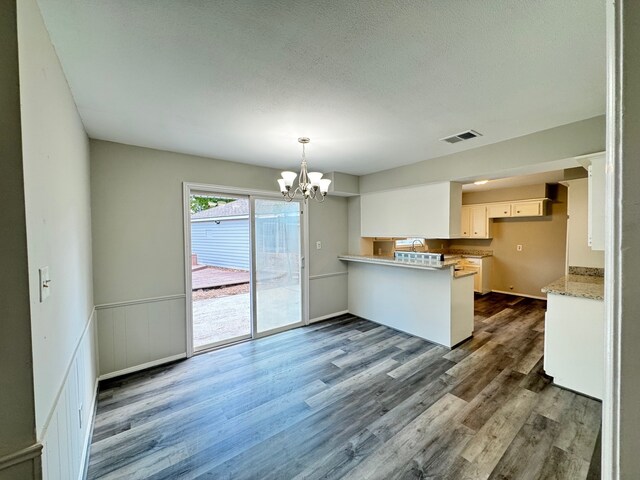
(244, 274)
(220, 269)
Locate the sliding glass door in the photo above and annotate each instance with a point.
(278, 265)
(245, 266)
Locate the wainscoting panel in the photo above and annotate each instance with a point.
(327, 295)
(138, 334)
(66, 433)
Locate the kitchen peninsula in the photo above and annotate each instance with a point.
(430, 300)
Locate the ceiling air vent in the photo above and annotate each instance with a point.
(459, 137)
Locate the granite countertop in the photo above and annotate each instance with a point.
(583, 286)
(472, 253)
(381, 260)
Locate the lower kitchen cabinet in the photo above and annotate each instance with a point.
(482, 267)
(574, 343)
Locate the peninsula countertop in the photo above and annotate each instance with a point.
(583, 286)
(392, 261)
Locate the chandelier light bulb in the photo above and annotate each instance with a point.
(310, 184)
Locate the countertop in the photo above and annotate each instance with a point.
(380, 260)
(583, 286)
(471, 253)
(391, 261)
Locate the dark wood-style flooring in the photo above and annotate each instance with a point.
(350, 399)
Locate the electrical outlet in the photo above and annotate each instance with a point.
(318, 245)
(519, 248)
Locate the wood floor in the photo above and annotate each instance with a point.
(350, 399)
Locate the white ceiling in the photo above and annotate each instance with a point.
(375, 84)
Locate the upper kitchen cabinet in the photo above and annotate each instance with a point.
(595, 165)
(474, 222)
(530, 208)
(498, 210)
(596, 202)
(425, 211)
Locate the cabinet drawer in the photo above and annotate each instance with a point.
(526, 209)
(499, 210)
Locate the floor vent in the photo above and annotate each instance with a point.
(459, 137)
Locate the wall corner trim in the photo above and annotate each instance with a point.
(21, 456)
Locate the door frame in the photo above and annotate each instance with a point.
(188, 188)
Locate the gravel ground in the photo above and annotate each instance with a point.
(220, 292)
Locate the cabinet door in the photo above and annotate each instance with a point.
(477, 282)
(499, 210)
(527, 209)
(479, 221)
(596, 203)
(465, 221)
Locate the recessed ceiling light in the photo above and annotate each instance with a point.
(480, 182)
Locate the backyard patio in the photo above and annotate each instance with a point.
(221, 304)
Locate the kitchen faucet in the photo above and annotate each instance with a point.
(413, 245)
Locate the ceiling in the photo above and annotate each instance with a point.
(374, 84)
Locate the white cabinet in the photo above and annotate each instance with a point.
(474, 222)
(482, 267)
(530, 208)
(498, 210)
(465, 221)
(426, 211)
(596, 202)
(574, 343)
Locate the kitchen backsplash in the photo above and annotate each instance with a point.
(588, 271)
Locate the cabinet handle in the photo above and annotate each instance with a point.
(518, 211)
(505, 212)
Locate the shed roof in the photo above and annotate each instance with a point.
(236, 208)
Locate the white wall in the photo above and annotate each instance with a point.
(621, 442)
(138, 246)
(17, 420)
(579, 254)
(58, 212)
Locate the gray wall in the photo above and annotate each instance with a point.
(327, 274)
(17, 421)
(58, 215)
(579, 138)
(137, 257)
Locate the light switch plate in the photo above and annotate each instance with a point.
(519, 248)
(318, 245)
(45, 283)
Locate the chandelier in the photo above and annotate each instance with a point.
(310, 184)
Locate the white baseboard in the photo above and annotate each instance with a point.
(519, 294)
(142, 366)
(326, 317)
(86, 443)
